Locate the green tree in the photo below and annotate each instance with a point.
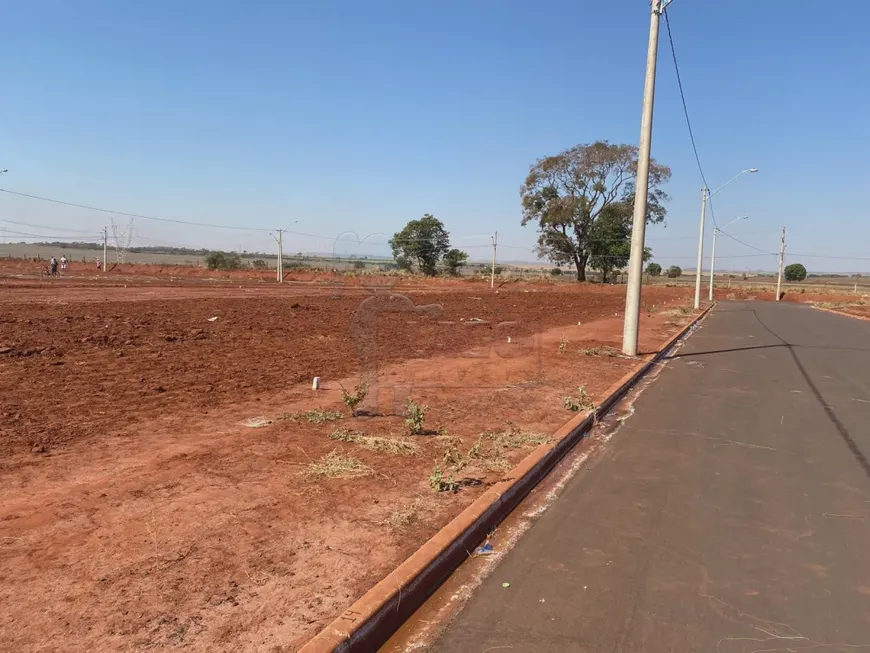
(222, 261)
(424, 242)
(653, 269)
(675, 271)
(795, 272)
(566, 194)
(454, 260)
(609, 241)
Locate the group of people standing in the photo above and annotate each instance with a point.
(64, 262)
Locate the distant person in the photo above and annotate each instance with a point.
(63, 262)
(53, 264)
(99, 264)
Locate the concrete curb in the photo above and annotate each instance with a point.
(836, 312)
(372, 620)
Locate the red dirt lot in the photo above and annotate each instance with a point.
(138, 512)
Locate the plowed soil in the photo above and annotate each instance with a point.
(137, 512)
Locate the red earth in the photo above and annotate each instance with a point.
(138, 511)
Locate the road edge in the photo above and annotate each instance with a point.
(375, 616)
(836, 312)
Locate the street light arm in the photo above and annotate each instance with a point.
(734, 178)
(738, 218)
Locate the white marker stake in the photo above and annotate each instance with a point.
(315, 385)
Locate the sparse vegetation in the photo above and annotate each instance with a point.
(406, 514)
(315, 416)
(514, 438)
(599, 351)
(394, 446)
(259, 264)
(355, 398)
(416, 419)
(337, 465)
(441, 483)
(563, 345)
(581, 402)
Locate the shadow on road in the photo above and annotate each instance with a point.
(841, 429)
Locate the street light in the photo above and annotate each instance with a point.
(716, 231)
(705, 195)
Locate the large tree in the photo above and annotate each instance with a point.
(609, 240)
(568, 193)
(423, 242)
(795, 272)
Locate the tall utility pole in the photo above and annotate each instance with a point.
(280, 256)
(492, 273)
(705, 193)
(105, 248)
(638, 230)
(781, 260)
(716, 232)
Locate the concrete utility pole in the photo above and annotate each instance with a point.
(494, 247)
(716, 232)
(781, 260)
(280, 256)
(105, 248)
(638, 230)
(705, 197)
(705, 193)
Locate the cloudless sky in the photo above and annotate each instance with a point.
(358, 116)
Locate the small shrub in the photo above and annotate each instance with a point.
(259, 264)
(582, 402)
(416, 417)
(441, 483)
(563, 345)
(359, 265)
(675, 271)
(555, 272)
(355, 398)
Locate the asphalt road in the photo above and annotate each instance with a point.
(731, 512)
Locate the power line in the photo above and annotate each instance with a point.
(722, 233)
(129, 215)
(685, 106)
(43, 226)
(29, 235)
(842, 258)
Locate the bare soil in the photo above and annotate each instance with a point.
(138, 512)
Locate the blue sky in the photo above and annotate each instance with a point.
(350, 116)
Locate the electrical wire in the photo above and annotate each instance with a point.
(43, 226)
(841, 258)
(723, 233)
(130, 215)
(29, 235)
(685, 106)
